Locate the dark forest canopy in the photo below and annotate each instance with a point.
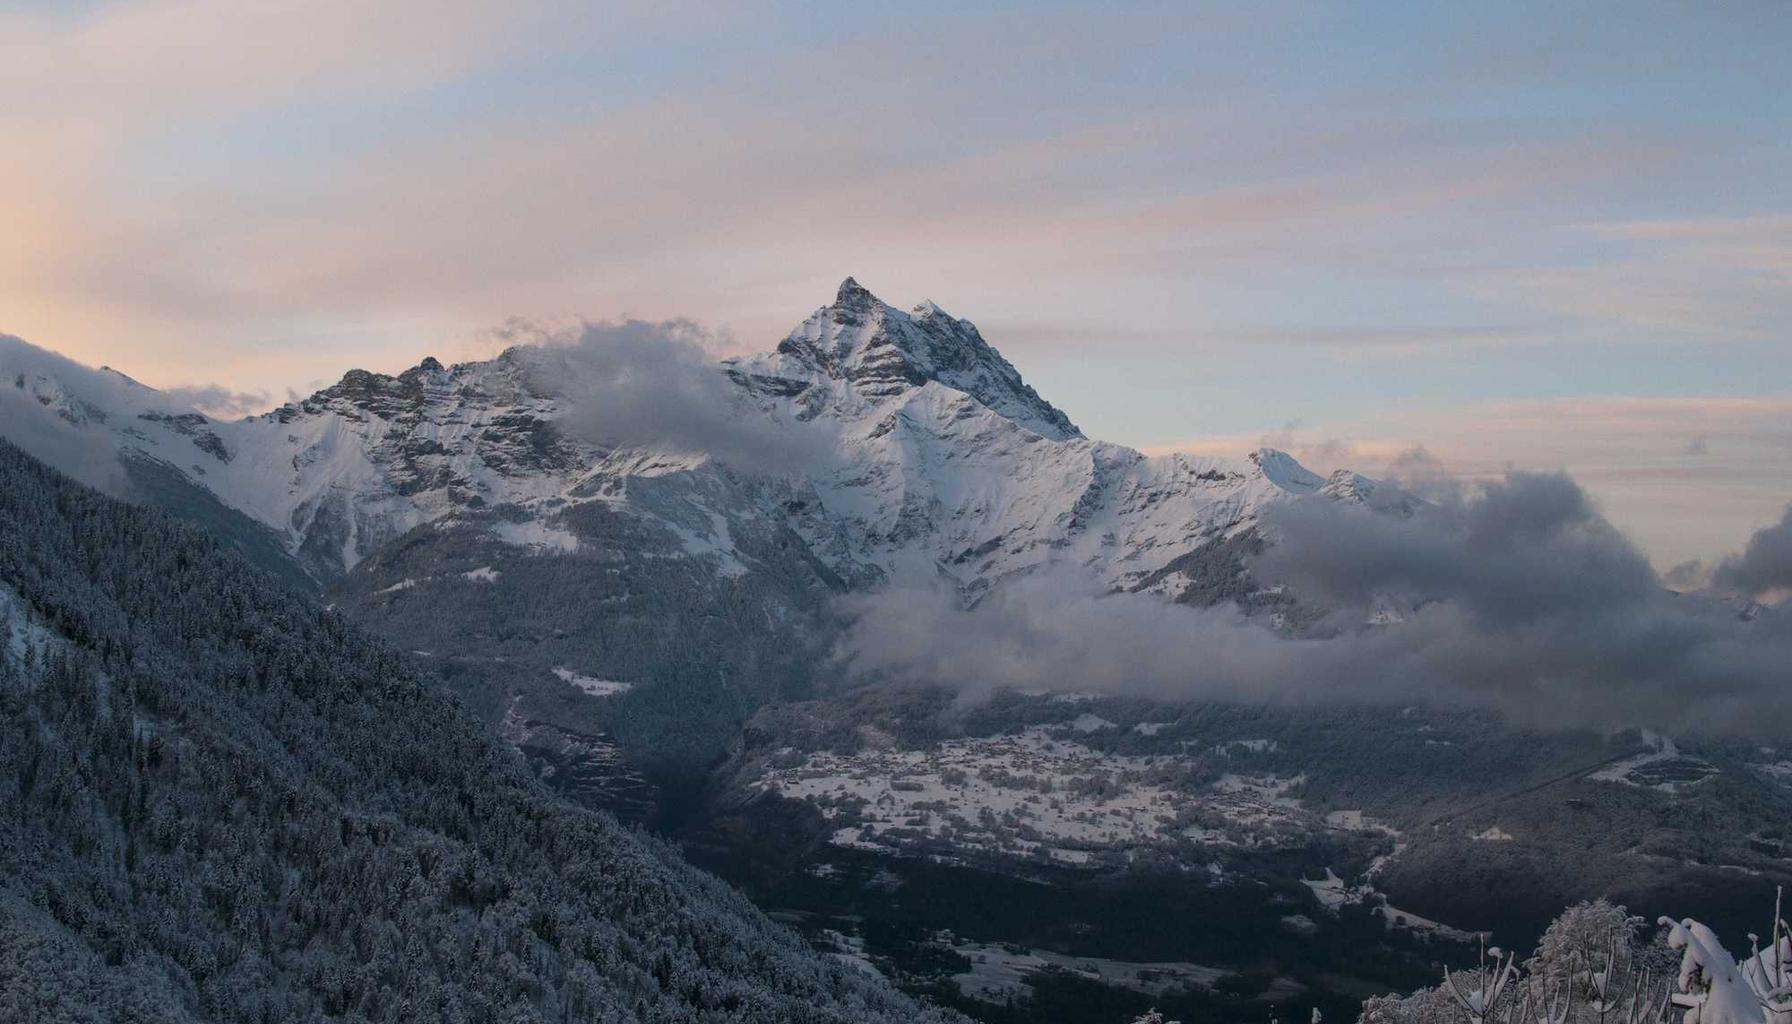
(219, 802)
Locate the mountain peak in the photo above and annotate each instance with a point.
(1282, 469)
(853, 294)
(881, 352)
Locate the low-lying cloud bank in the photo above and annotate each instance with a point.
(660, 385)
(1765, 565)
(1519, 597)
(628, 383)
(83, 453)
(50, 406)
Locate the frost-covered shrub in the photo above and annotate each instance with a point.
(1591, 967)
(1426, 1006)
(1577, 945)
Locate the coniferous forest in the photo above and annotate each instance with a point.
(220, 802)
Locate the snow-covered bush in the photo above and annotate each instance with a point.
(1591, 968)
(1715, 989)
(1589, 945)
(1426, 1006)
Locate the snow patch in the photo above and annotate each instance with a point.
(1664, 768)
(1776, 771)
(591, 685)
(536, 536)
(1249, 746)
(1333, 893)
(849, 950)
(718, 542)
(19, 629)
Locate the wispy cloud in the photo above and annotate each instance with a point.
(1718, 279)
(143, 66)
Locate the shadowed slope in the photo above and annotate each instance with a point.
(219, 802)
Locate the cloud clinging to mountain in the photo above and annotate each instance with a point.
(1765, 565)
(659, 384)
(1519, 597)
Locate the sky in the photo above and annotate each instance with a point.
(1552, 236)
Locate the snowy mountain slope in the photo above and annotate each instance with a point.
(945, 460)
(948, 463)
(471, 514)
(227, 804)
(849, 355)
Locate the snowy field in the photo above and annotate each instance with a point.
(1333, 893)
(591, 684)
(1037, 795)
(1664, 768)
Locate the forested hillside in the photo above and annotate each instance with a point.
(219, 802)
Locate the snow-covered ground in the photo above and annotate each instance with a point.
(483, 574)
(1664, 768)
(592, 685)
(1775, 771)
(537, 536)
(1035, 794)
(849, 950)
(20, 631)
(1334, 893)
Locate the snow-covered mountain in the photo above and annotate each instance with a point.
(471, 514)
(944, 461)
(950, 463)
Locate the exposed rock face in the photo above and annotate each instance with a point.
(880, 352)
